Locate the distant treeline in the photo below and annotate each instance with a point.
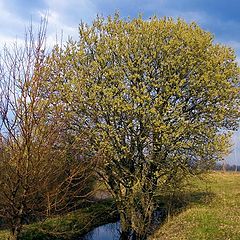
(227, 167)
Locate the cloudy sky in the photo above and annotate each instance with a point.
(221, 17)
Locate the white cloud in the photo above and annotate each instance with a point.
(65, 16)
(12, 27)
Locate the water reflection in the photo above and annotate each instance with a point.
(110, 231)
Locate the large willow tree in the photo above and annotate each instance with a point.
(157, 97)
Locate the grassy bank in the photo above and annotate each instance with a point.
(213, 212)
(71, 225)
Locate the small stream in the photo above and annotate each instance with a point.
(110, 231)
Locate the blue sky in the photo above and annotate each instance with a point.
(221, 17)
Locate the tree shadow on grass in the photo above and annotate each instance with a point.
(174, 204)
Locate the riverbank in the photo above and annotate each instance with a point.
(211, 211)
(71, 225)
(213, 214)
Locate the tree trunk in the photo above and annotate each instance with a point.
(224, 166)
(125, 235)
(125, 226)
(136, 236)
(17, 226)
(14, 234)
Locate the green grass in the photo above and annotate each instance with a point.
(214, 215)
(4, 235)
(212, 212)
(71, 225)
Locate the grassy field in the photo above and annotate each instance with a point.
(212, 214)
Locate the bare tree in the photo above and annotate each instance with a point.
(41, 169)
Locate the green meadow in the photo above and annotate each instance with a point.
(213, 213)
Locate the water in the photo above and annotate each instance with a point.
(110, 231)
